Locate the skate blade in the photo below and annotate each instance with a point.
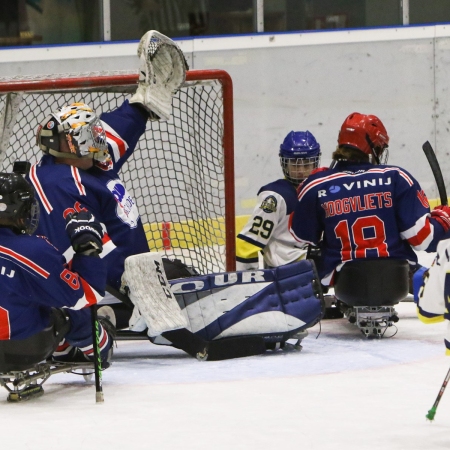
(26, 394)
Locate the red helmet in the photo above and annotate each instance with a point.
(363, 132)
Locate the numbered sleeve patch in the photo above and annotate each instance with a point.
(269, 204)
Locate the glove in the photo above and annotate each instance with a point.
(85, 233)
(442, 215)
(444, 208)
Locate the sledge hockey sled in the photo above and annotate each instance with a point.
(26, 384)
(368, 290)
(25, 364)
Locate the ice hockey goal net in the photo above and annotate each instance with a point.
(182, 172)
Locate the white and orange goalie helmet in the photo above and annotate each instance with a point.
(83, 131)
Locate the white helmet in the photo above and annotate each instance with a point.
(84, 133)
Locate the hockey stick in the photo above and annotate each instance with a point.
(435, 168)
(117, 294)
(97, 359)
(432, 411)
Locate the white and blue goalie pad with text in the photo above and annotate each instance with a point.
(274, 303)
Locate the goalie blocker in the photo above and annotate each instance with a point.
(227, 315)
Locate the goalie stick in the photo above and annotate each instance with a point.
(435, 168)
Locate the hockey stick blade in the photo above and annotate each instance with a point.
(432, 411)
(435, 168)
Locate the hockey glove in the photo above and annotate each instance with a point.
(85, 233)
(442, 215)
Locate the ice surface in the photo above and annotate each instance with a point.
(341, 391)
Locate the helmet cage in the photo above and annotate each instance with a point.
(87, 139)
(298, 150)
(295, 170)
(383, 156)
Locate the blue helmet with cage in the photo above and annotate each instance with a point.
(299, 155)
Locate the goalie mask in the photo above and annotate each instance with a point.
(83, 131)
(299, 155)
(19, 209)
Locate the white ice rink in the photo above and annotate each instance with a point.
(341, 391)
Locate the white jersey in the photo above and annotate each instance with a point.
(267, 230)
(434, 296)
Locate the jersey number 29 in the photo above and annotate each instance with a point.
(261, 227)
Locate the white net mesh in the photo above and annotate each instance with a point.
(176, 174)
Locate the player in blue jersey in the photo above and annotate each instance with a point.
(362, 208)
(67, 182)
(83, 155)
(43, 299)
(267, 229)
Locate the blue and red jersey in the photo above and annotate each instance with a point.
(360, 210)
(34, 277)
(62, 189)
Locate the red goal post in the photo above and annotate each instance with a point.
(181, 174)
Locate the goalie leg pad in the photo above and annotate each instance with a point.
(150, 293)
(162, 72)
(274, 303)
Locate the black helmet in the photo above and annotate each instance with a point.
(19, 210)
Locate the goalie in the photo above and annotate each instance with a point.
(79, 171)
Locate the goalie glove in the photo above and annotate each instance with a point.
(85, 233)
(162, 72)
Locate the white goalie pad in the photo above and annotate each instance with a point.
(150, 293)
(162, 72)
